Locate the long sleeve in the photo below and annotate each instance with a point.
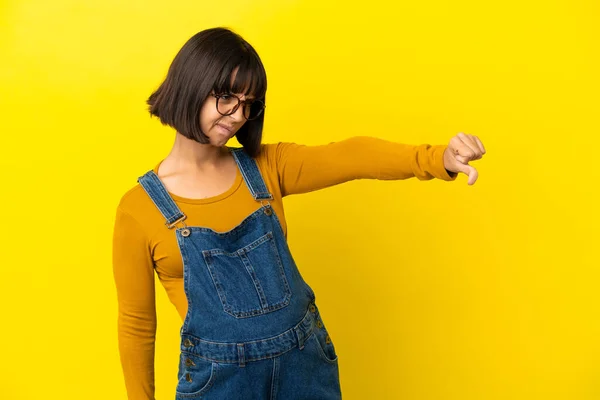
(303, 168)
(134, 279)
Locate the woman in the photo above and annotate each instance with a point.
(209, 219)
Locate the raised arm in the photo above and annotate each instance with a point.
(303, 168)
(133, 271)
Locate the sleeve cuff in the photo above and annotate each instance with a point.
(439, 171)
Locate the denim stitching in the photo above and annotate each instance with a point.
(322, 351)
(205, 388)
(293, 331)
(228, 308)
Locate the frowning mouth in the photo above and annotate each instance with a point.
(228, 129)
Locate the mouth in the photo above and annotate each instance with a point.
(227, 129)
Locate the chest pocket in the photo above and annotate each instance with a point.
(250, 281)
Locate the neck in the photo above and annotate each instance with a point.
(187, 154)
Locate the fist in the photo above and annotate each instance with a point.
(462, 149)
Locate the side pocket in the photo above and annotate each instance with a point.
(196, 376)
(325, 345)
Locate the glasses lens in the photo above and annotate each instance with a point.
(253, 110)
(226, 104)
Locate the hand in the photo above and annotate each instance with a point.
(462, 149)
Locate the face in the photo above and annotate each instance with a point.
(220, 128)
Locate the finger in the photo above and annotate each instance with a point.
(468, 170)
(461, 149)
(479, 144)
(473, 175)
(474, 152)
(462, 160)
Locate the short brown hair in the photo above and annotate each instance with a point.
(206, 63)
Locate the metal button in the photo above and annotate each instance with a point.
(185, 232)
(188, 377)
(319, 324)
(312, 308)
(268, 211)
(189, 362)
(187, 343)
(327, 339)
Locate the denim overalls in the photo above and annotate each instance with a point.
(252, 329)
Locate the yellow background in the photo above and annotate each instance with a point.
(430, 290)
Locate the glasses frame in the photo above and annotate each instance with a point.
(235, 108)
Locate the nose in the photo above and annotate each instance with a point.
(238, 115)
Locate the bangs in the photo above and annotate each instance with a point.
(250, 79)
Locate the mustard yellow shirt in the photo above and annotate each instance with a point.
(143, 245)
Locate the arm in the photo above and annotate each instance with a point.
(133, 271)
(304, 168)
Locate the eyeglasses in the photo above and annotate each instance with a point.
(228, 104)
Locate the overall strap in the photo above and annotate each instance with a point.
(161, 198)
(251, 174)
(172, 214)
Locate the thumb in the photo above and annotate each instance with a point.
(468, 170)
